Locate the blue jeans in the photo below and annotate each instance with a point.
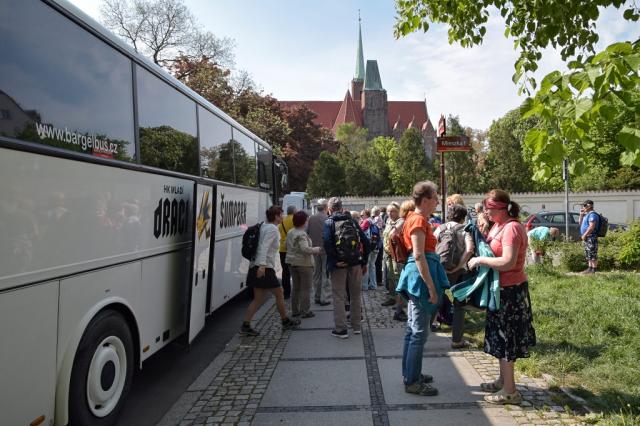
(369, 279)
(414, 340)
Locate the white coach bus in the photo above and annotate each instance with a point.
(123, 199)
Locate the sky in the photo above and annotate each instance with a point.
(306, 50)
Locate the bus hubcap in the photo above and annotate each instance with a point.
(106, 377)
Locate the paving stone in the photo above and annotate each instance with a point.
(453, 417)
(352, 418)
(321, 344)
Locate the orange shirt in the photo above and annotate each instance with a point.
(417, 221)
(510, 234)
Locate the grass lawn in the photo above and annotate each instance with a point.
(588, 336)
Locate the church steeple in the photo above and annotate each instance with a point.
(359, 54)
(358, 79)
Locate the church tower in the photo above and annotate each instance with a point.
(358, 79)
(375, 109)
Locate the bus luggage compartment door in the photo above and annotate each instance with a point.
(203, 234)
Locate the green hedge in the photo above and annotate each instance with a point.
(618, 250)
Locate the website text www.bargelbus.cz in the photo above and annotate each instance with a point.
(75, 138)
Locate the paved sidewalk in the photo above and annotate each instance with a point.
(308, 377)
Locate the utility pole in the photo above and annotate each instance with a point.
(565, 177)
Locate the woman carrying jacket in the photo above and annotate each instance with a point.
(509, 331)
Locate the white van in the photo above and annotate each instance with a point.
(297, 199)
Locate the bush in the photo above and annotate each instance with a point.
(618, 250)
(629, 255)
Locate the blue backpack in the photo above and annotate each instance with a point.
(373, 235)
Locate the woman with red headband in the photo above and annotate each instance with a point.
(509, 331)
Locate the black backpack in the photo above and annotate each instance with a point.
(347, 242)
(603, 225)
(450, 246)
(250, 240)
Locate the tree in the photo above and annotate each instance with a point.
(377, 158)
(409, 164)
(327, 177)
(534, 25)
(165, 30)
(505, 165)
(206, 79)
(461, 167)
(352, 158)
(568, 104)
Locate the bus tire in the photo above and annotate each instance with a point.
(102, 371)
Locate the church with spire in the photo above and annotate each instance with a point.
(366, 105)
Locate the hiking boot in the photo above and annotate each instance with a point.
(246, 330)
(340, 334)
(460, 345)
(290, 323)
(426, 378)
(389, 302)
(421, 388)
(400, 316)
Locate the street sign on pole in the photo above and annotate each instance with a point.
(453, 143)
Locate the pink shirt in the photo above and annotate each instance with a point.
(511, 234)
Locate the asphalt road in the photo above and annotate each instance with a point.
(167, 374)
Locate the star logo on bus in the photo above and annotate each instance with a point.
(203, 222)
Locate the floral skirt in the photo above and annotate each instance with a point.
(509, 331)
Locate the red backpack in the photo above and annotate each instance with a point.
(399, 252)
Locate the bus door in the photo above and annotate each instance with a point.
(202, 251)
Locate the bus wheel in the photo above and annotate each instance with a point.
(102, 371)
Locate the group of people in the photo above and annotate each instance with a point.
(335, 253)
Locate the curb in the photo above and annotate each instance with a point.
(182, 406)
(583, 403)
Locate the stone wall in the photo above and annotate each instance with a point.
(375, 113)
(617, 206)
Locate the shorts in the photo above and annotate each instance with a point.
(269, 280)
(591, 247)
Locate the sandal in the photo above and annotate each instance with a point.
(494, 386)
(421, 389)
(502, 398)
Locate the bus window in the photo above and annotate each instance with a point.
(265, 175)
(62, 86)
(168, 129)
(216, 155)
(244, 154)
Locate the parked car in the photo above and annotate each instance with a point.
(556, 219)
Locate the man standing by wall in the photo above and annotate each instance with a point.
(286, 226)
(347, 249)
(321, 283)
(589, 222)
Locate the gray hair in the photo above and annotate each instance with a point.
(375, 210)
(479, 207)
(291, 210)
(335, 204)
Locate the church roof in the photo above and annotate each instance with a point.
(372, 79)
(347, 113)
(327, 112)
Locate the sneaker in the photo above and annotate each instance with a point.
(340, 334)
(357, 331)
(421, 388)
(308, 315)
(324, 303)
(389, 302)
(290, 324)
(400, 316)
(502, 398)
(435, 327)
(297, 314)
(246, 330)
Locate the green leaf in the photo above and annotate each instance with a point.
(633, 61)
(629, 138)
(536, 139)
(582, 106)
(577, 167)
(624, 48)
(630, 158)
(555, 150)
